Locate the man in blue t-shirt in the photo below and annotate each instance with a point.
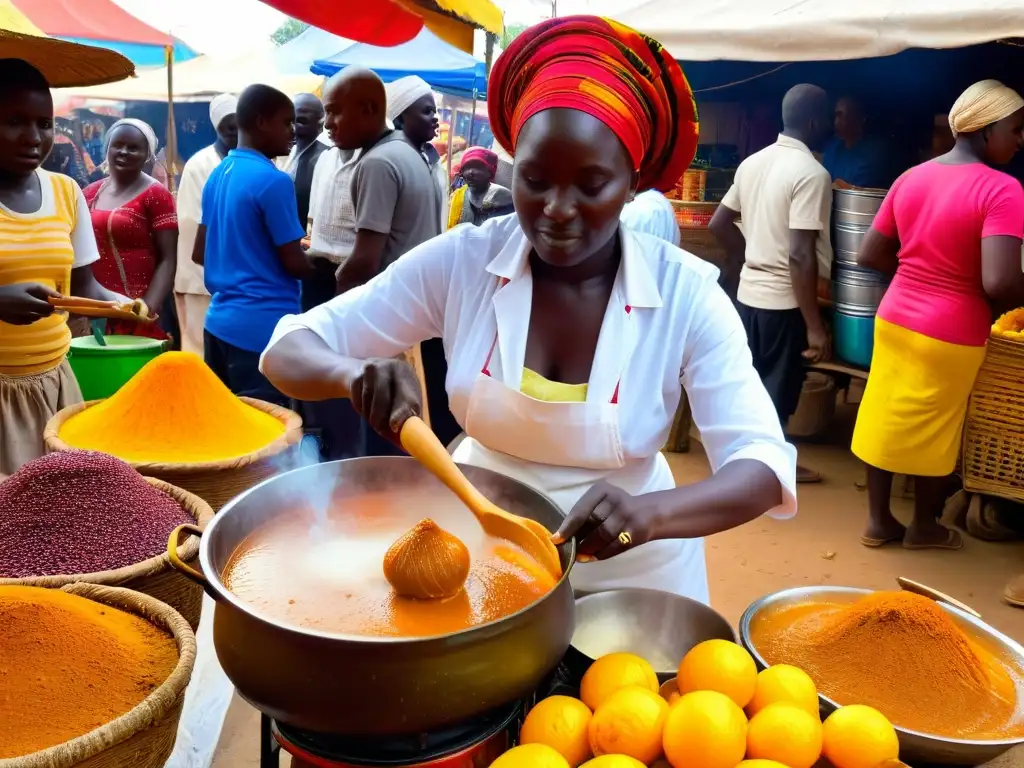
(249, 243)
(853, 157)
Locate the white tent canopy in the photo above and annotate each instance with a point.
(205, 76)
(819, 30)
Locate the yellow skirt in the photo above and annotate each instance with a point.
(913, 410)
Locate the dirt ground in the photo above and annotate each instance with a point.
(819, 546)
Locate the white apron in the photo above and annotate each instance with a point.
(562, 449)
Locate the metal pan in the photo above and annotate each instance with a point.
(349, 684)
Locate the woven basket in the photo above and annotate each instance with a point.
(156, 576)
(144, 736)
(993, 439)
(216, 482)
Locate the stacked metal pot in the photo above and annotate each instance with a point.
(856, 291)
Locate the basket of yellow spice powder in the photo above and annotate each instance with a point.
(84, 516)
(175, 420)
(90, 677)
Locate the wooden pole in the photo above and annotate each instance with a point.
(172, 127)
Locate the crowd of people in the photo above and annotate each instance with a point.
(320, 239)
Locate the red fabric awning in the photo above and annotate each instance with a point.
(377, 22)
(90, 20)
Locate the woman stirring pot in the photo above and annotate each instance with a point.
(569, 338)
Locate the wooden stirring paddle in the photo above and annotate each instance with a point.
(423, 445)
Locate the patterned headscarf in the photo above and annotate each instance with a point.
(625, 79)
(481, 155)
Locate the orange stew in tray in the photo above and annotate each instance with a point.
(325, 570)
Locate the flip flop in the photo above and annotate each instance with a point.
(806, 476)
(953, 541)
(867, 541)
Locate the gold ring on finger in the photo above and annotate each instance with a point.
(625, 538)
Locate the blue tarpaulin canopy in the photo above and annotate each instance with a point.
(443, 66)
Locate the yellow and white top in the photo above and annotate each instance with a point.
(43, 247)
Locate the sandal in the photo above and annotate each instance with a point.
(1014, 592)
(953, 541)
(872, 543)
(983, 522)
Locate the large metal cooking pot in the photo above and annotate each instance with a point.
(847, 238)
(914, 745)
(350, 684)
(856, 207)
(854, 287)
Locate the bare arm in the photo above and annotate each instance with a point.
(84, 284)
(1001, 274)
(803, 271)
(727, 233)
(364, 263)
(303, 366)
(199, 247)
(166, 242)
(879, 253)
(294, 260)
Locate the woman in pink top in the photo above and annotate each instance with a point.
(950, 232)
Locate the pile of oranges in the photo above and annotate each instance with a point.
(717, 713)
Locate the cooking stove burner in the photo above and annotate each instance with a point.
(471, 745)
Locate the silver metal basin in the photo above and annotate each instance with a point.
(658, 626)
(914, 745)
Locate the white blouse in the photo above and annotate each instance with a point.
(473, 283)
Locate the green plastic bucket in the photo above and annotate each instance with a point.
(101, 371)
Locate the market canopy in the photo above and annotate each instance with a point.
(393, 22)
(205, 76)
(443, 66)
(103, 24)
(820, 30)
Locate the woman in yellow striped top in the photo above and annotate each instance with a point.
(46, 248)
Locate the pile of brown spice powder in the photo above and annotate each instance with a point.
(901, 654)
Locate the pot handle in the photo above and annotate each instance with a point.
(173, 541)
(940, 597)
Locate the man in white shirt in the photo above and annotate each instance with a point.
(784, 197)
(191, 299)
(651, 212)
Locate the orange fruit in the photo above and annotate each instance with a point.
(613, 761)
(561, 723)
(530, 756)
(630, 722)
(761, 764)
(785, 733)
(859, 737)
(705, 729)
(783, 682)
(612, 672)
(718, 665)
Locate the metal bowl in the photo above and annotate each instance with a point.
(658, 626)
(914, 745)
(356, 684)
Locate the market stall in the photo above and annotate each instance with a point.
(374, 620)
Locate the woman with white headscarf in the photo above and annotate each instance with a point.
(950, 233)
(135, 224)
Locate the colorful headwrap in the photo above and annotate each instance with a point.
(625, 79)
(481, 155)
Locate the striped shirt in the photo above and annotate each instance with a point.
(43, 247)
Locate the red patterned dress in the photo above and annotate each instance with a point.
(125, 236)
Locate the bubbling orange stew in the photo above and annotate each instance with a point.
(326, 573)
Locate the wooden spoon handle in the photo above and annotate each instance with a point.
(940, 597)
(422, 444)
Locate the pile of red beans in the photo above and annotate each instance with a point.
(81, 512)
